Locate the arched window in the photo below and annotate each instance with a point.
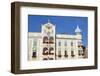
(50, 51)
(45, 51)
(45, 39)
(51, 40)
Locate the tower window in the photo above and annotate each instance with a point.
(50, 58)
(50, 50)
(51, 40)
(45, 51)
(45, 39)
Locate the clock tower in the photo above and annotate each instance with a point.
(48, 41)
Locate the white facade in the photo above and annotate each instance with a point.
(47, 45)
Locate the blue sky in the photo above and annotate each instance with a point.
(64, 24)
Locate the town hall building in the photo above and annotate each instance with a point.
(47, 45)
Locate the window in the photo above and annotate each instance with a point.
(65, 43)
(51, 40)
(72, 53)
(59, 54)
(34, 54)
(59, 43)
(71, 43)
(45, 59)
(50, 51)
(84, 50)
(45, 39)
(50, 58)
(79, 52)
(66, 55)
(35, 43)
(34, 49)
(45, 51)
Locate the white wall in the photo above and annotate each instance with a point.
(5, 33)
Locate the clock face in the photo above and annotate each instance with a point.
(48, 27)
(48, 30)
